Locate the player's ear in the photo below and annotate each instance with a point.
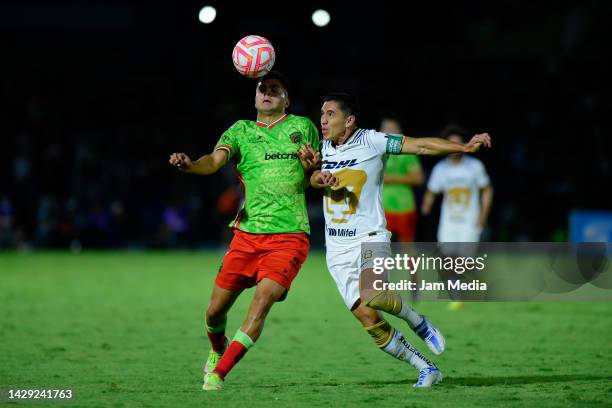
(287, 103)
(350, 121)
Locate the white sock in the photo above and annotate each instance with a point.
(399, 348)
(408, 314)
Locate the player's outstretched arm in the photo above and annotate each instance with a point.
(436, 146)
(207, 164)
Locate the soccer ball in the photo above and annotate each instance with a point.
(253, 56)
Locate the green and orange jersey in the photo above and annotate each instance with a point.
(270, 172)
(399, 198)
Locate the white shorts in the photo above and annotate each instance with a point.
(345, 265)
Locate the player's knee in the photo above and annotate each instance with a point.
(369, 296)
(214, 311)
(387, 301)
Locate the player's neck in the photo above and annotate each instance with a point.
(269, 117)
(347, 134)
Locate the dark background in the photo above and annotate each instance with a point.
(96, 95)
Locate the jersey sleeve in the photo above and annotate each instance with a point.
(435, 181)
(384, 143)
(229, 139)
(482, 178)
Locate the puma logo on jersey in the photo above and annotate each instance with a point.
(330, 165)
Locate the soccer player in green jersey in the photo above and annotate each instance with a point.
(270, 240)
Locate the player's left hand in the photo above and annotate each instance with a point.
(324, 179)
(482, 139)
(309, 157)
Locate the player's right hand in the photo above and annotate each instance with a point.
(180, 160)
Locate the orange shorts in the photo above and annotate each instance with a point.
(252, 257)
(402, 225)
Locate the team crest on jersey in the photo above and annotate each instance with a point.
(296, 137)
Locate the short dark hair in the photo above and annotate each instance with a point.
(454, 129)
(278, 76)
(348, 103)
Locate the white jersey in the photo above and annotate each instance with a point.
(461, 184)
(354, 211)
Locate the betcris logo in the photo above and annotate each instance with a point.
(331, 165)
(341, 232)
(281, 156)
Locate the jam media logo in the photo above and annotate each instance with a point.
(296, 137)
(341, 232)
(281, 156)
(330, 165)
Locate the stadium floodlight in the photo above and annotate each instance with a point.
(207, 14)
(320, 18)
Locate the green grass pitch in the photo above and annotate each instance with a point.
(125, 330)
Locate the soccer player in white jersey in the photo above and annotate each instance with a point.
(352, 174)
(467, 193)
(468, 196)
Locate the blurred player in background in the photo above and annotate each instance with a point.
(352, 175)
(468, 196)
(270, 241)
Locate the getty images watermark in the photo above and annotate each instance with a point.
(411, 264)
(498, 271)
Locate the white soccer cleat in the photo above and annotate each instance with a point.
(428, 376)
(431, 336)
